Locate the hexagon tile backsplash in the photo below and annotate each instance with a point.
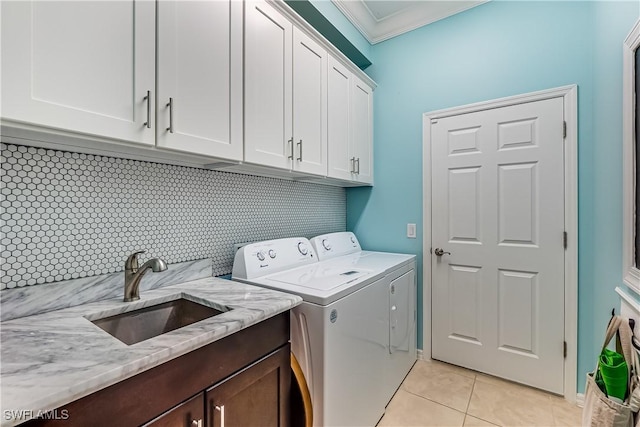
(68, 215)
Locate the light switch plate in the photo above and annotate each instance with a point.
(411, 231)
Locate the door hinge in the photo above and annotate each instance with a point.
(564, 239)
(564, 130)
(564, 349)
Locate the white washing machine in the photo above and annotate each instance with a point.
(354, 334)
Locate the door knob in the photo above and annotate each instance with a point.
(440, 252)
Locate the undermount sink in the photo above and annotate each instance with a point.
(139, 325)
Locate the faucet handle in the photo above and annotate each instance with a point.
(132, 262)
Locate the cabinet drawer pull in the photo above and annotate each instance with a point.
(148, 99)
(290, 142)
(221, 410)
(300, 145)
(170, 105)
(197, 423)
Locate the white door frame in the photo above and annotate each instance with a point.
(570, 98)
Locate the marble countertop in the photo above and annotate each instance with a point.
(51, 359)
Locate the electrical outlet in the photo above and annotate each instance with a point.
(411, 231)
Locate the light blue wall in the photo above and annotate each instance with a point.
(495, 50)
(601, 252)
(333, 14)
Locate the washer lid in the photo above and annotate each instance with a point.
(320, 277)
(319, 284)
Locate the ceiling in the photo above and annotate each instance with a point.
(379, 20)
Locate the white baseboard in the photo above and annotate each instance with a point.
(580, 400)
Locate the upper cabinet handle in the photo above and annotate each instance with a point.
(148, 99)
(300, 145)
(170, 105)
(353, 165)
(358, 162)
(290, 142)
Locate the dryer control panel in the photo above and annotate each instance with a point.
(333, 245)
(271, 256)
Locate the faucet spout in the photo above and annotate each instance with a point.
(133, 274)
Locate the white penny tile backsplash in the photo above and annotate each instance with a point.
(69, 215)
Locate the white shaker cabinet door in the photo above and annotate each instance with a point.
(309, 104)
(199, 98)
(80, 66)
(341, 162)
(362, 130)
(267, 75)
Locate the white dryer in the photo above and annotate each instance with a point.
(352, 335)
(400, 276)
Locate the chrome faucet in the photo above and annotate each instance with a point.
(133, 274)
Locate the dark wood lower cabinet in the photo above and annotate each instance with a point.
(187, 414)
(255, 397)
(247, 372)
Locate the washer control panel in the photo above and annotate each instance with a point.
(335, 244)
(271, 256)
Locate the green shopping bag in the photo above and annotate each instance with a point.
(614, 373)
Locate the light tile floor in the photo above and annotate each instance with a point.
(438, 394)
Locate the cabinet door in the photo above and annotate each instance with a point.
(187, 414)
(80, 66)
(309, 104)
(256, 396)
(341, 164)
(200, 71)
(362, 130)
(267, 76)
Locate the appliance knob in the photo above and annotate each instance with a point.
(302, 248)
(260, 255)
(272, 253)
(326, 244)
(353, 239)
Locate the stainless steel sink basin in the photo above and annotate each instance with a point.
(148, 322)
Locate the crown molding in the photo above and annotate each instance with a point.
(418, 14)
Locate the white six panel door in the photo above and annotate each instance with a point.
(498, 208)
(200, 71)
(267, 91)
(80, 66)
(309, 104)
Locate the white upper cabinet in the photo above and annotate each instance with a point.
(341, 164)
(350, 126)
(267, 97)
(248, 86)
(309, 104)
(285, 93)
(362, 131)
(199, 101)
(79, 66)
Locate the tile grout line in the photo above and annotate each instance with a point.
(433, 401)
(466, 412)
(473, 387)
